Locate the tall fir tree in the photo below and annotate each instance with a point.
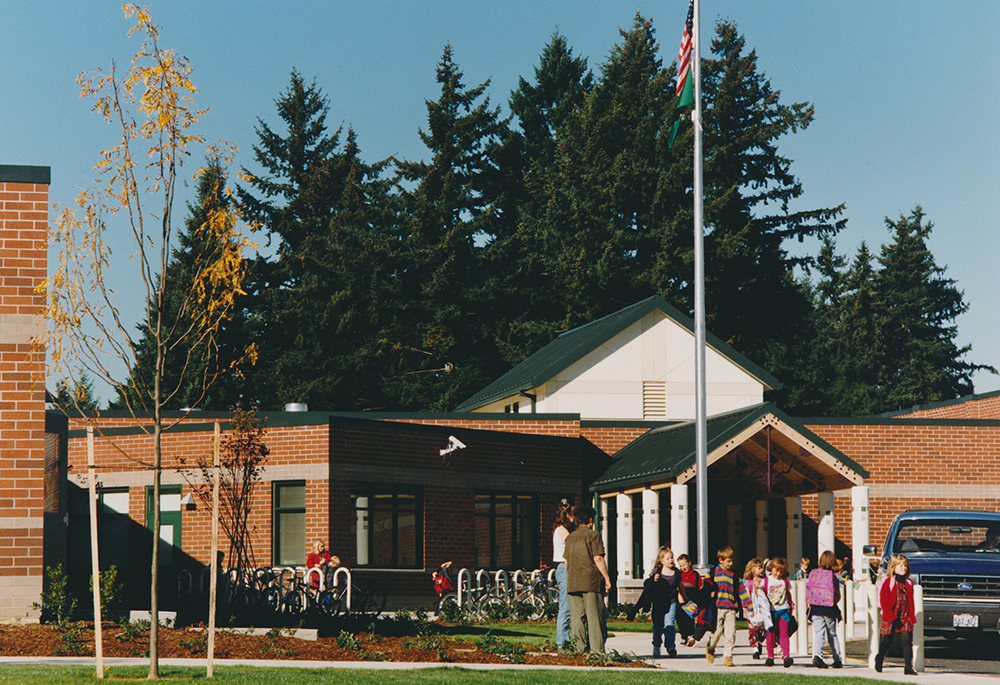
(440, 355)
(318, 304)
(203, 372)
(923, 363)
(515, 256)
(752, 297)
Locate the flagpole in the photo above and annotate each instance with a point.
(701, 431)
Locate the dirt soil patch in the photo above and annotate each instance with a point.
(46, 640)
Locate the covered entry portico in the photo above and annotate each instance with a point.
(761, 463)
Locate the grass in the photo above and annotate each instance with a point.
(244, 675)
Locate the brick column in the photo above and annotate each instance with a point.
(24, 198)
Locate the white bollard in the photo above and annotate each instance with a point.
(918, 628)
(846, 612)
(861, 607)
(873, 624)
(801, 615)
(849, 609)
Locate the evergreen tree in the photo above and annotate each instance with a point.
(862, 355)
(200, 371)
(752, 298)
(922, 363)
(516, 260)
(437, 337)
(316, 307)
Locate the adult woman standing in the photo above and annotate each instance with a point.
(560, 531)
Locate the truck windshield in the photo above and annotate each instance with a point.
(947, 536)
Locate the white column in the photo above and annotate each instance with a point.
(650, 528)
(793, 530)
(624, 507)
(679, 520)
(604, 532)
(860, 530)
(801, 638)
(826, 532)
(762, 542)
(734, 513)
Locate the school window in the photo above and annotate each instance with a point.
(288, 537)
(506, 531)
(388, 525)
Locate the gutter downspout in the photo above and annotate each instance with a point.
(533, 398)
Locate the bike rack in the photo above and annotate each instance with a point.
(551, 577)
(506, 581)
(518, 579)
(464, 577)
(314, 571)
(350, 583)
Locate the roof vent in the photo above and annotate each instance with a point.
(296, 406)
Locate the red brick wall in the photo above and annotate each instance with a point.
(296, 453)
(972, 408)
(23, 251)
(914, 464)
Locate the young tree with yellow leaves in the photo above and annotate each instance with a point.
(151, 103)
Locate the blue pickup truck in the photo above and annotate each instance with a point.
(955, 556)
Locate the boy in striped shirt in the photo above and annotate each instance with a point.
(725, 608)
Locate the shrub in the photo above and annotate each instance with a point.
(57, 603)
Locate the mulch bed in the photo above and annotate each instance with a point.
(46, 640)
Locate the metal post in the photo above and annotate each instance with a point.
(873, 623)
(701, 430)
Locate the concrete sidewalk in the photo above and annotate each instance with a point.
(688, 659)
(693, 660)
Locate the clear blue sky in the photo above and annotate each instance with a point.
(906, 93)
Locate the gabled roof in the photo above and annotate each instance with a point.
(574, 345)
(663, 454)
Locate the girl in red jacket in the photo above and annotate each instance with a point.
(896, 601)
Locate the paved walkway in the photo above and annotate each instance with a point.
(688, 659)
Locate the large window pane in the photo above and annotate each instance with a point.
(506, 530)
(289, 544)
(387, 525)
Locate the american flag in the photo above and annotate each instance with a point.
(684, 54)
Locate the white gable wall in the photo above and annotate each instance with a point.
(608, 382)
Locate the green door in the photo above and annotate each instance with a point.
(170, 520)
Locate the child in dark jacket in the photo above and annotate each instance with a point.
(664, 585)
(693, 591)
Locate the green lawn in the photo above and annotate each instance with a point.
(241, 675)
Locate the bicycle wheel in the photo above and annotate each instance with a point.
(329, 603)
(370, 601)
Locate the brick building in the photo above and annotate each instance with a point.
(602, 412)
(30, 495)
(393, 507)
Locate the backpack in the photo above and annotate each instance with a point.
(820, 588)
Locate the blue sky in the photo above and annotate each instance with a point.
(906, 93)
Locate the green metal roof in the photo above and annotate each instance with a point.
(574, 345)
(665, 453)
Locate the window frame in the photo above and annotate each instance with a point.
(367, 489)
(515, 516)
(276, 514)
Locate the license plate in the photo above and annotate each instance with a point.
(965, 620)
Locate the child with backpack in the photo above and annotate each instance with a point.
(756, 608)
(895, 598)
(693, 591)
(823, 596)
(779, 594)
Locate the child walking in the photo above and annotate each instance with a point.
(725, 608)
(823, 596)
(755, 605)
(664, 583)
(780, 596)
(896, 601)
(691, 589)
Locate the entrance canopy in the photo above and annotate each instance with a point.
(770, 454)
